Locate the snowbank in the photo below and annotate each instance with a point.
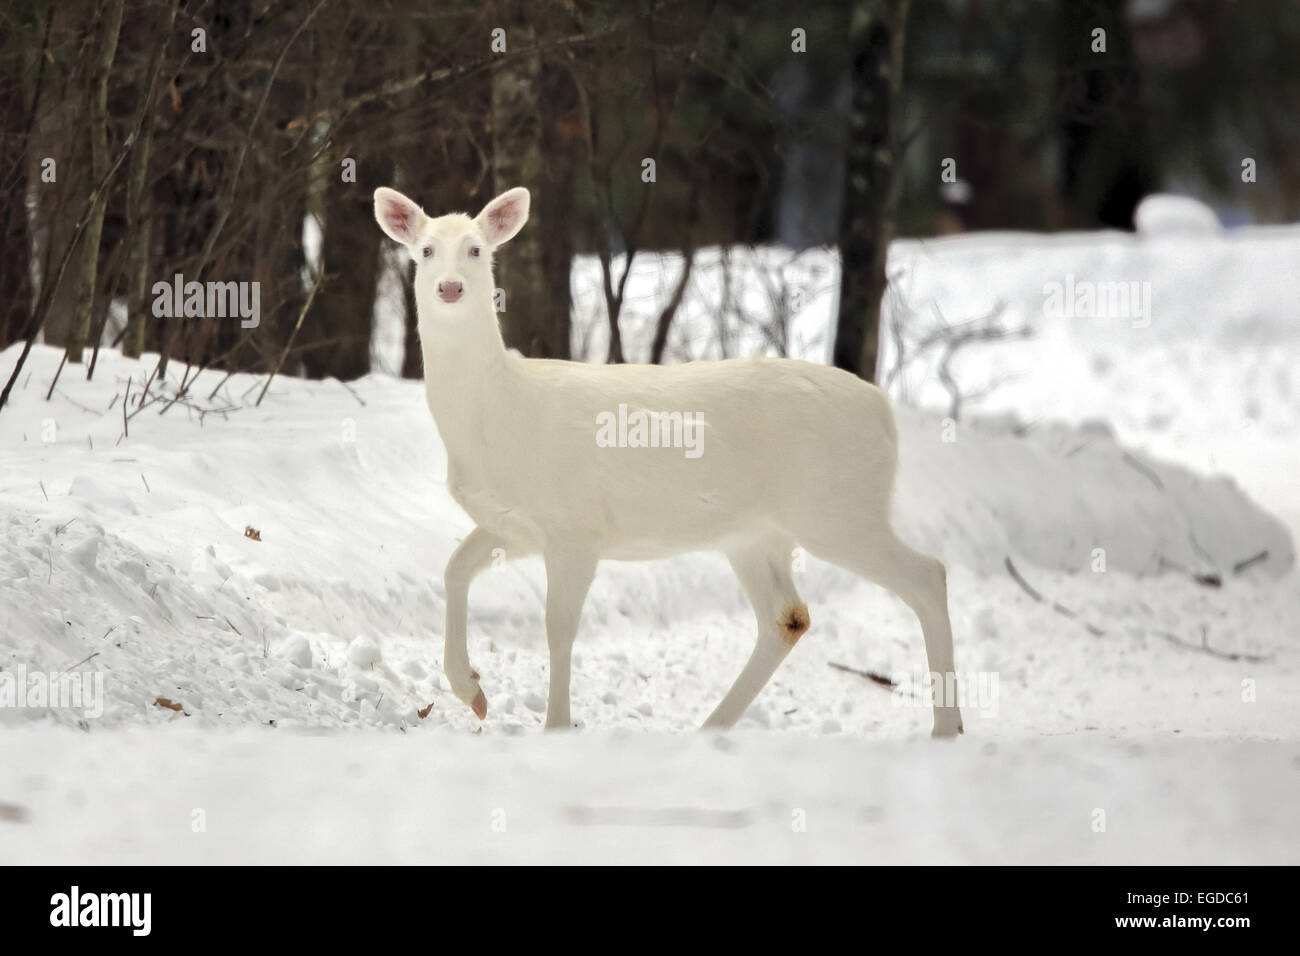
(1073, 500)
(131, 556)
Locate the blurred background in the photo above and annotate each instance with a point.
(242, 141)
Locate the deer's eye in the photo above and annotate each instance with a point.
(474, 251)
(427, 252)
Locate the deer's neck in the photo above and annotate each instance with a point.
(464, 365)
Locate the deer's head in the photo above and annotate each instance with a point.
(453, 253)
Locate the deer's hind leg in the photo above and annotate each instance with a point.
(764, 570)
(873, 551)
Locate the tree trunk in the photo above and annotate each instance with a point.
(536, 317)
(1107, 165)
(875, 36)
(279, 258)
(105, 48)
(344, 311)
(15, 249)
(56, 150)
(139, 228)
(338, 331)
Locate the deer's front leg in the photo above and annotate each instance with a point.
(470, 557)
(570, 568)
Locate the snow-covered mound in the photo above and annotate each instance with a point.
(1161, 214)
(1073, 500)
(284, 562)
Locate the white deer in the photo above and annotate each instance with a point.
(786, 454)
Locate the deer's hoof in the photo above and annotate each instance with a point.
(947, 726)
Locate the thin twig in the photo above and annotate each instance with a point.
(57, 372)
(1254, 559)
(1205, 648)
(1055, 605)
(1143, 470)
(292, 335)
(353, 391)
(84, 660)
(1011, 569)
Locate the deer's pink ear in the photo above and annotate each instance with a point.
(400, 218)
(503, 217)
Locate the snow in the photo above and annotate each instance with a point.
(1108, 460)
(175, 795)
(1161, 214)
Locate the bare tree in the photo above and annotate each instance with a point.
(105, 48)
(527, 324)
(342, 322)
(875, 36)
(17, 114)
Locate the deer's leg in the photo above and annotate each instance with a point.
(570, 569)
(922, 583)
(470, 557)
(765, 575)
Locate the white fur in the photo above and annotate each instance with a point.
(792, 454)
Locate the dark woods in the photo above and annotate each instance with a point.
(141, 140)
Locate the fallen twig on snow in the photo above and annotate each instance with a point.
(878, 679)
(1143, 470)
(1205, 648)
(1011, 569)
(1245, 563)
(1056, 606)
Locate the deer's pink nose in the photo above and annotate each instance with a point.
(450, 291)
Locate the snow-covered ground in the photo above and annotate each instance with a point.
(177, 795)
(1143, 710)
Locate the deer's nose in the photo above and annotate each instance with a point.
(450, 291)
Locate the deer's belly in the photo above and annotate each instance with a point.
(628, 523)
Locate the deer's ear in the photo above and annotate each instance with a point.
(400, 218)
(503, 217)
